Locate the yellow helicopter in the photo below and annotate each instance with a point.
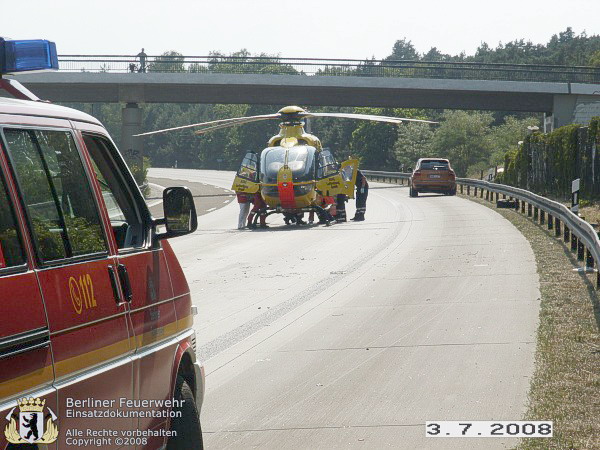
(294, 173)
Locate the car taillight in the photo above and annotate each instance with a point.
(416, 173)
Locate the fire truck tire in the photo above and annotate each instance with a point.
(187, 427)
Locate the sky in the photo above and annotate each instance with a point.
(309, 28)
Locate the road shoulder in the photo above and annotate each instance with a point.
(564, 387)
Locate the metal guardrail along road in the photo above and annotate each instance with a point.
(332, 67)
(581, 235)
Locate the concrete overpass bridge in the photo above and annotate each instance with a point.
(554, 90)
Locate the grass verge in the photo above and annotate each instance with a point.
(565, 387)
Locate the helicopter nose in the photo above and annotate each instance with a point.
(285, 187)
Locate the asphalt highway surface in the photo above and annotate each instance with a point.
(355, 335)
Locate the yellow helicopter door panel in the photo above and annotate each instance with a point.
(348, 169)
(243, 185)
(331, 186)
(246, 179)
(329, 178)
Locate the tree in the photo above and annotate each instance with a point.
(463, 137)
(507, 135)
(414, 141)
(404, 49)
(435, 55)
(373, 142)
(565, 47)
(334, 133)
(243, 62)
(170, 61)
(595, 59)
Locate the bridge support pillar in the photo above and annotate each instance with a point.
(131, 147)
(565, 107)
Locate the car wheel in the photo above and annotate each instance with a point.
(188, 433)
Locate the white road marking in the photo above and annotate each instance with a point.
(157, 202)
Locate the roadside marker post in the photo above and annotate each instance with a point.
(575, 195)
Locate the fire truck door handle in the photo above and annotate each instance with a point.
(125, 283)
(114, 284)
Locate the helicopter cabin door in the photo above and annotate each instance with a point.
(246, 179)
(348, 170)
(329, 177)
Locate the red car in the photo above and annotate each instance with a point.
(433, 175)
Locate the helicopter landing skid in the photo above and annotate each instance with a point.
(323, 214)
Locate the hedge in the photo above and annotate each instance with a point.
(548, 163)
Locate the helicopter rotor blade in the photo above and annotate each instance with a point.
(226, 122)
(374, 118)
(238, 121)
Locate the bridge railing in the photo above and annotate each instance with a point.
(330, 67)
(558, 218)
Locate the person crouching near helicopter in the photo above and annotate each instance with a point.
(259, 208)
(362, 192)
(244, 201)
(323, 214)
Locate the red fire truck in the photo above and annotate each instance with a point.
(96, 340)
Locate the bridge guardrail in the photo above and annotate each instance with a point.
(558, 217)
(331, 67)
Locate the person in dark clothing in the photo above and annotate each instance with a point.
(362, 192)
(340, 207)
(142, 56)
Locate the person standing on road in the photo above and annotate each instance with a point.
(340, 208)
(362, 192)
(142, 56)
(244, 200)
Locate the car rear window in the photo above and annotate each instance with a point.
(434, 165)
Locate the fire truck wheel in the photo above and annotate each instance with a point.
(187, 427)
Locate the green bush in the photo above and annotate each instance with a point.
(140, 174)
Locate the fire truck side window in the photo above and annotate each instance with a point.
(125, 217)
(58, 200)
(11, 252)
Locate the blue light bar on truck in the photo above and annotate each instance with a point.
(27, 56)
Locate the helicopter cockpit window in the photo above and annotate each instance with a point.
(327, 165)
(299, 160)
(249, 167)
